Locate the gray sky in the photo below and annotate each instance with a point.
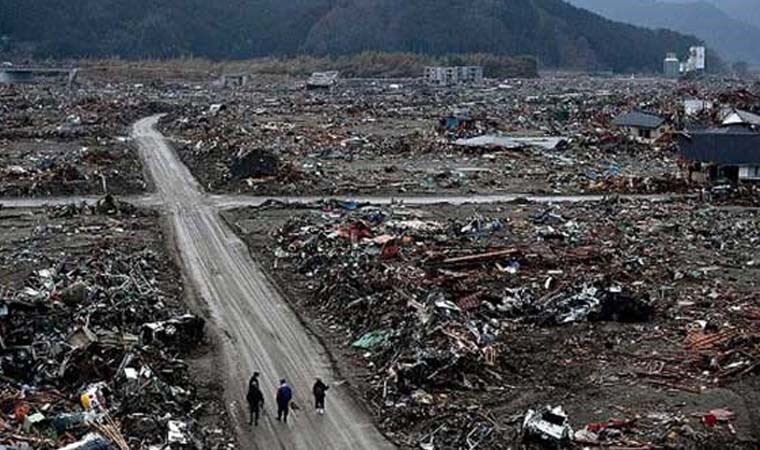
(746, 10)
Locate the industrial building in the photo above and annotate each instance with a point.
(671, 66)
(451, 76)
(695, 64)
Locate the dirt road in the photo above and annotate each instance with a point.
(262, 332)
(236, 200)
(38, 202)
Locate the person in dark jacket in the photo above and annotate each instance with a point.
(255, 399)
(284, 396)
(320, 391)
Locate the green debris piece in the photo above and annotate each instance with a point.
(31, 421)
(371, 339)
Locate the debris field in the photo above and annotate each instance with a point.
(396, 137)
(54, 142)
(638, 320)
(624, 323)
(97, 348)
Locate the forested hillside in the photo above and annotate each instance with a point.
(558, 34)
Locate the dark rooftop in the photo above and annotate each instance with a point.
(638, 119)
(731, 146)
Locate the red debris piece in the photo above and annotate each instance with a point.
(611, 423)
(390, 251)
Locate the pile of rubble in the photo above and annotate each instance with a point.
(92, 336)
(450, 315)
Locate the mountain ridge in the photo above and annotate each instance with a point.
(734, 39)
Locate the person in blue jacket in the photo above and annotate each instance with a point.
(284, 396)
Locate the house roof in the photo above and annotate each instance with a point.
(739, 117)
(639, 119)
(734, 146)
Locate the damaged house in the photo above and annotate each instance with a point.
(322, 80)
(452, 76)
(28, 75)
(234, 80)
(641, 126)
(730, 151)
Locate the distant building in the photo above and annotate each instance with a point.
(671, 66)
(730, 151)
(322, 80)
(696, 61)
(451, 76)
(693, 107)
(29, 75)
(694, 65)
(234, 80)
(641, 126)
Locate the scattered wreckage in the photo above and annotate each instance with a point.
(454, 314)
(452, 318)
(92, 336)
(56, 142)
(532, 136)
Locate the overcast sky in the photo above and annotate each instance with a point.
(745, 10)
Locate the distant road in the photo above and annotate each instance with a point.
(240, 200)
(234, 201)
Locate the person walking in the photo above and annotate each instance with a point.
(284, 396)
(320, 391)
(255, 399)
